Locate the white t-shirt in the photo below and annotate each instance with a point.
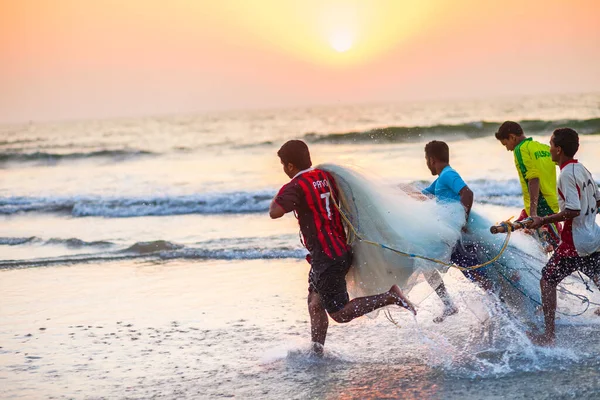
(578, 191)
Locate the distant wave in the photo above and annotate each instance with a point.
(84, 206)
(152, 247)
(169, 250)
(15, 241)
(163, 250)
(72, 243)
(393, 134)
(487, 191)
(46, 157)
(18, 141)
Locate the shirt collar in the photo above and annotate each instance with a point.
(523, 141)
(571, 161)
(443, 169)
(303, 171)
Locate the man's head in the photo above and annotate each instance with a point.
(294, 156)
(510, 135)
(564, 143)
(436, 154)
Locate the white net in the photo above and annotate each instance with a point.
(391, 217)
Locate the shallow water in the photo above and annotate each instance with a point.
(239, 329)
(137, 260)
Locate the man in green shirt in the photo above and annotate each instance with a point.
(537, 173)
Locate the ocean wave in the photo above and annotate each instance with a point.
(163, 250)
(86, 206)
(152, 247)
(15, 241)
(9, 143)
(398, 134)
(487, 191)
(47, 157)
(72, 243)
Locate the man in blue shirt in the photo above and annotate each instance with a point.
(450, 187)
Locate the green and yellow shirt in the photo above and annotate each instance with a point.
(533, 160)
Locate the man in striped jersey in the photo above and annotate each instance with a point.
(579, 248)
(310, 194)
(537, 174)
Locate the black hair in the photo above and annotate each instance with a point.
(507, 128)
(295, 152)
(438, 150)
(567, 139)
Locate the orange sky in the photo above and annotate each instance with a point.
(63, 59)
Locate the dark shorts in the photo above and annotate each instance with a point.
(465, 255)
(559, 267)
(328, 279)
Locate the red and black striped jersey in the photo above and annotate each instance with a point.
(309, 195)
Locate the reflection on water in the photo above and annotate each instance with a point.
(413, 382)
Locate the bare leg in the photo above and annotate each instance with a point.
(549, 305)
(435, 281)
(363, 305)
(319, 322)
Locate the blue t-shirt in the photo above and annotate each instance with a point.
(447, 186)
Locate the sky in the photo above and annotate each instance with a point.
(72, 59)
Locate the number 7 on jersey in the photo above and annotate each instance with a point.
(326, 196)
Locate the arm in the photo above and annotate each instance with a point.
(549, 219)
(534, 195)
(285, 201)
(275, 210)
(466, 199)
(530, 172)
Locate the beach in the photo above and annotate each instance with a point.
(137, 260)
(240, 330)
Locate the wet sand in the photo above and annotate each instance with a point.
(240, 329)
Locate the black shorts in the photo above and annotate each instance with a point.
(328, 279)
(559, 267)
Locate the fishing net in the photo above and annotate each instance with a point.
(393, 227)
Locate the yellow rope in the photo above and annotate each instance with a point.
(508, 224)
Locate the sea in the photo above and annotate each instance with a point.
(138, 260)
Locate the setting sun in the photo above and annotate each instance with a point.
(317, 31)
(341, 41)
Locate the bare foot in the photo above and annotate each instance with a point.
(448, 311)
(401, 300)
(317, 349)
(541, 340)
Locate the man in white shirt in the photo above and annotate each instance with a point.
(579, 248)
